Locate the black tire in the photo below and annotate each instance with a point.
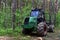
(42, 32)
(50, 29)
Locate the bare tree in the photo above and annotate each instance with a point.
(38, 4)
(55, 9)
(50, 10)
(56, 6)
(43, 4)
(0, 4)
(33, 3)
(18, 3)
(14, 6)
(21, 5)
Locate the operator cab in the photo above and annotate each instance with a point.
(36, 14)
(39, 14)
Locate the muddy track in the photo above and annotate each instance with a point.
(53, 36)
(50, 36)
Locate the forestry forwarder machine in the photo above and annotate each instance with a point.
(36, 23)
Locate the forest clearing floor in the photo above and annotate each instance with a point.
(50, 36)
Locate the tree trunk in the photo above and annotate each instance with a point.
(14, 5)
(33, 4)
(43, 4)
(55, 10)
(0, 4)
(50, 11)
(56, 6)
(21, 4)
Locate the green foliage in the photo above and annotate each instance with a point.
(47, 16)
(6, 20)
(6, 16)
(10, 32)
(57, 24)
(2, 32)
(20, 16)
(58, 20)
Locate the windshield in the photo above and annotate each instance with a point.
(34, 13)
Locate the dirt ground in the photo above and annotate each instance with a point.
(50, 36)
(53, 36)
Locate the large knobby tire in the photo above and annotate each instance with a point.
(42, 30)
(51, 28)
